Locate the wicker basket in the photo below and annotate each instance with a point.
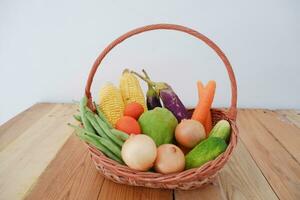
(189, 179)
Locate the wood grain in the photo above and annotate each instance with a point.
(290, 116)
(71, 175)
(24, 159)
(287, 134)
(278, 166)
(242, 179)
(211, 191)
(239, 179)
(111, 190)
(265, 164)
(12, 129)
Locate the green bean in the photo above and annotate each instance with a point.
(84, 119)
(94, 140)
(77, 117)
(119, 134)
(101, 147)
(107, 143)
(91, 118)
(99, 124)
(107, 131)
(102, 116)
(79, 130)
(111, 146)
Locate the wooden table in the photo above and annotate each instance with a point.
(40, 158)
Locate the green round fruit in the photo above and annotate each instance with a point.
(159, 124)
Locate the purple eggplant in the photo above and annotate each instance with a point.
(169, 98)
(172, 102)
(152, 96)
(153, 100)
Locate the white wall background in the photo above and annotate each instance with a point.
(47, 48)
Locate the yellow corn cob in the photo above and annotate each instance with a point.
(131, 90)
(111, 103)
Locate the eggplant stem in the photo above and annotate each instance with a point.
(144, 79)
(157, 86)
(150, 87)
(146, 74)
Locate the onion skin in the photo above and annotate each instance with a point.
(170, 159)
(189, 133)
(139, 152)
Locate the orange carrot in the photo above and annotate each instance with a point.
(208, 121)
(200, 90)
(206, 95)
(208, 124)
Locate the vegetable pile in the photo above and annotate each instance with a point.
(152, 132)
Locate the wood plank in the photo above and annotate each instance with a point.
(211, 191)
(242, 179)
(239, 179)
(291, 116)
(71, 175)
(13, 128)
(277, 165)
(111, 190)
(24, 159)
(287, 134)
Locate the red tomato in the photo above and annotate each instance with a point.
(133, 110)
(128, 125)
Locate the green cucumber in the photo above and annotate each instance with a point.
(221, 130)
(205, 151)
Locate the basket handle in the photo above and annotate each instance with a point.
(232, 110)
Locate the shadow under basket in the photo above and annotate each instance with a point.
(188, 179)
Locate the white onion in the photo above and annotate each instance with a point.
(170, 159)
(189, 133)
(139, 152)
